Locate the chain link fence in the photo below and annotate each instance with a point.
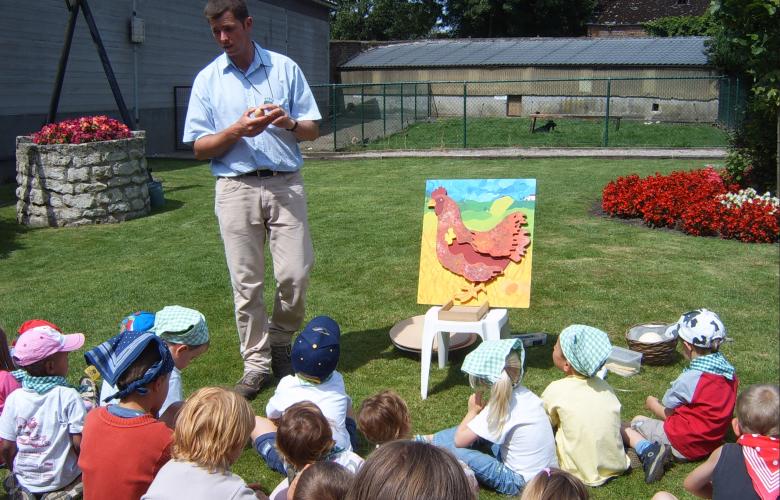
(618, 112)
(605, 112)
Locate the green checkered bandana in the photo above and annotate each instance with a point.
(488, 360)
(45, 386)
(585, 348)
(714, 363)
(42, 385)
(180, 325)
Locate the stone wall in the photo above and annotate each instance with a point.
(76, 184)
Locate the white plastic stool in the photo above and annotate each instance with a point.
(489, 328)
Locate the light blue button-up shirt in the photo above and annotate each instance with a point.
(221, 93)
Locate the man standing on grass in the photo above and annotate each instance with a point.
(248, 109)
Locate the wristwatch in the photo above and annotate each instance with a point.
(292, 129)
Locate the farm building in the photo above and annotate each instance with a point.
(656, 79)
(154, 64)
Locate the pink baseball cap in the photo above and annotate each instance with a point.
(41, 341)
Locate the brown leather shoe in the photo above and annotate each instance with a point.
(252, 383)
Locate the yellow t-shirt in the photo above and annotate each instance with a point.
(587, 415)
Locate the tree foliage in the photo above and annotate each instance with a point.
(746, 43)
(497, 18)
(410, 19)
(702, 25)
(747, 40)
(384, 19)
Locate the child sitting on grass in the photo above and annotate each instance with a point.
(303, 437)
(41, 424)
(213, 428)
(86, 387)
(185, 333)
(410, 470)
(584, 409)
(315, 355)
(321, 481)
(555, 484)
(694, 414)
(747, 469)
(384, 417)
(124, 444)
(511, 424)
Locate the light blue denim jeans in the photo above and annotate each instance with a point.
(489, 469)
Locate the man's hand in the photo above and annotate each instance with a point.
(307, 130)
(281, 119)
(250, 125)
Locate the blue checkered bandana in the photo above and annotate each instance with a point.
(114, 356)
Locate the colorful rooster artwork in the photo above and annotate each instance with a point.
(477, 242)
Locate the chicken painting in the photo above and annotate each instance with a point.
(477, 256)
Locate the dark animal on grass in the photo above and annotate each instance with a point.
(547, 127)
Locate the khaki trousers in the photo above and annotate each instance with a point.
(249, 210)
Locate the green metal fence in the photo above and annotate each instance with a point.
(605, 112)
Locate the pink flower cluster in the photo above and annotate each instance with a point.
(81, 130)
(692, 202)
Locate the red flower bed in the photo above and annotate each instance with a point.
(81, 130)
(697, 202)
(753, 222)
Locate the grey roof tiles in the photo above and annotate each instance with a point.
(676, 51)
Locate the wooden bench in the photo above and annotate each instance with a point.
(534, 116)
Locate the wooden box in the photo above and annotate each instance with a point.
(453, 312)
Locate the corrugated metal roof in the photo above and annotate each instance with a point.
(676, 51)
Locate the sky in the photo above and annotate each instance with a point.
(485, 190)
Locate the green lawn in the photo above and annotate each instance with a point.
(366, 223)
(497, 132)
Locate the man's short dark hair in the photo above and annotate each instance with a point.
(215, 8)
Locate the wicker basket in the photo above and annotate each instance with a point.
(658, 353)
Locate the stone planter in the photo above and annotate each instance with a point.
(76, 184)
